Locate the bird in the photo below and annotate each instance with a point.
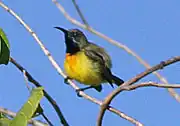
(86, 62)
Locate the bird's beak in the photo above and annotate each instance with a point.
(62, 29)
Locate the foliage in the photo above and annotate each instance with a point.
(4, 48)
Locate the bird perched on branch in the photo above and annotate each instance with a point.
(86, 62)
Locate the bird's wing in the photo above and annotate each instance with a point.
(98, 55)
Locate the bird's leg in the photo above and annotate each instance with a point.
(98, 88)
(66, 80)
(82, 89)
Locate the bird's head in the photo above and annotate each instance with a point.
(74, 38)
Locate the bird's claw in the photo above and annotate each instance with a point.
(78, 92)
(66, 80)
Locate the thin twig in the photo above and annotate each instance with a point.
(37, 84)
(110, 97)
(59, 70)
(80, 14)
(47, 120)
(128, 118)
(116, 43)
(150, 84)
(13, 114)
(26, 80)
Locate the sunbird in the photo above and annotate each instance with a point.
(87, 62)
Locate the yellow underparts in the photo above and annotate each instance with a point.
(80, 68)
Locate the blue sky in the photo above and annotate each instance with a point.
(150, 27)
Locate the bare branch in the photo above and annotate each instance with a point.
(150, 84)
(80, 13)
(13, 114)
(116, 43)
(26, 80)
(47, 120)
(124, 116)
(110, 97)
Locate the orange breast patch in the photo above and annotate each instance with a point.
(80, 68)
(71, 60)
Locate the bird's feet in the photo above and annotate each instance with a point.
(78, 92)
(82, 89)
(66, 80)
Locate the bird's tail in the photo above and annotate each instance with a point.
(117, 80)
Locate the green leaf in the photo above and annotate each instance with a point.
(4, 48)
(4, 121)
(28, 109)
(2, 115)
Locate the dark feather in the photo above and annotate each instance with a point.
(98, 88)
(100, 57)
(117, 80)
